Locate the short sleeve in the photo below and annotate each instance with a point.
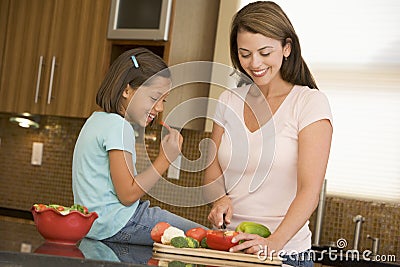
(219, 116)
(120, 136)
(314, 107)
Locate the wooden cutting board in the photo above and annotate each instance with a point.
(209, 256)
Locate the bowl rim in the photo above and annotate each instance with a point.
(88, 215)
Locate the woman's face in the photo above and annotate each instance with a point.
(261, 57)
(147, 101)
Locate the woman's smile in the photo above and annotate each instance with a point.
(259, 73)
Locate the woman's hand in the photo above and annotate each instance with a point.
(171, 145)
(221, 212)
(253, 243)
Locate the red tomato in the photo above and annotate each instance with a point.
(197, 233)
(221, 240)
(85, 210)
(158, 231)
(60, 208)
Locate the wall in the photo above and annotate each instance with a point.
(382, 220)
(22, 184)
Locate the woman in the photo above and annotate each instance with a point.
(276, 178)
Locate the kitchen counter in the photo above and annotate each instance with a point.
(336, 257)
(96, 253)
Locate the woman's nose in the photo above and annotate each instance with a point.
(255, 61)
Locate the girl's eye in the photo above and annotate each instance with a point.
(245, 56)
(265, 54)
(154, 99)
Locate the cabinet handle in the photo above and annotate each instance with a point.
(53, 65)
(39, 76)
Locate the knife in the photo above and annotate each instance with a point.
(223, 225)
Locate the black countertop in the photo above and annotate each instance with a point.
(96, 253)
(349, 258)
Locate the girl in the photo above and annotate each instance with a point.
(103, 172)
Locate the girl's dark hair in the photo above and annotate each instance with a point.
(123, 72)
(267, 18)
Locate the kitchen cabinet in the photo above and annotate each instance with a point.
(55, 56)
(3, 23)
(192, 38)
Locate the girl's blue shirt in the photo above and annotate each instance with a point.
(91, 178)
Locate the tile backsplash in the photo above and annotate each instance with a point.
(22, 184)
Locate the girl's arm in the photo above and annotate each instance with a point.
(314, 146)
(130, 188)
(213, 174)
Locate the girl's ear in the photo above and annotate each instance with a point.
(287, 48)
(128, 91)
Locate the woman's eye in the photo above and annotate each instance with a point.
(154, 99)
(265, 54)
(245, 56)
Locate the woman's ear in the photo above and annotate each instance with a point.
(287, 48)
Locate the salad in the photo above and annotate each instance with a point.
(62, 209)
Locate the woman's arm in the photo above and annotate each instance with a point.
(313, 153)
(213, 175)
(130, 188)
(314, 147)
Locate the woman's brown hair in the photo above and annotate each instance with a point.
(267, 18)
(123, 71)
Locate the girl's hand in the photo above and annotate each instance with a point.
(221, 212)
(171, 145)
(255, 244)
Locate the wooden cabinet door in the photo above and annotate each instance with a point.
(192, 38)
(23, 75)
(55, 56)
(3, 28)
(79, 48)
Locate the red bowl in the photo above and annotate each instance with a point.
(63, 229)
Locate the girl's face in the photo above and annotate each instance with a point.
(146, 102)
(261, 57)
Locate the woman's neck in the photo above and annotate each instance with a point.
(275, 89)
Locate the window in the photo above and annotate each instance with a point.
(351, 47)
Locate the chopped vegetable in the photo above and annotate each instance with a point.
(179, 264)
(158, 231)
(192, 243)
(197, 233)
(253, 228)
(203, 243)
(179, 242)
(170, 233)
(62, 209)
(221, 240)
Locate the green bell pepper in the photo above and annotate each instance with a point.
(253, 228)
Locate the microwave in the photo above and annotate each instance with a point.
(139, 19)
